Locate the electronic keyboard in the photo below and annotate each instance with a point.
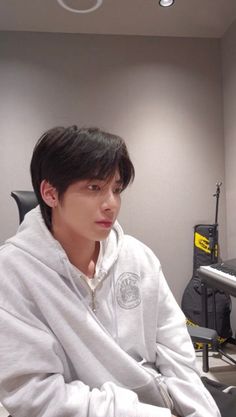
(225, 269)
(221, 275)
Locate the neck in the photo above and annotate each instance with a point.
(82, 253)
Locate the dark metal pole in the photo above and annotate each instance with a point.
(217, 195)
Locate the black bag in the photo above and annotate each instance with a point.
(224, 396)
(206, 253)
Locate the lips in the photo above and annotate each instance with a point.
(105, 223)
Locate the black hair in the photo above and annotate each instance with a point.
(63, 156)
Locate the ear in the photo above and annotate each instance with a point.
(49, 194)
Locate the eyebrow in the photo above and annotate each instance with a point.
(118, 181)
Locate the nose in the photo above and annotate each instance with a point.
(111, 201)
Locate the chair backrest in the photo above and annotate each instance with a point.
(25, 200)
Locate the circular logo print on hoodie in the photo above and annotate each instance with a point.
(127, 290)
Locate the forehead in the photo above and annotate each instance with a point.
(114, 176)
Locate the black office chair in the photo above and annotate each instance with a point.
(26, 201)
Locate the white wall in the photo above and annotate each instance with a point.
(228, 49)
(163, 95)
(228, 46)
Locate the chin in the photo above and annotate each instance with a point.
(103, 235)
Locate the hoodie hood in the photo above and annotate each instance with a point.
(34, 238)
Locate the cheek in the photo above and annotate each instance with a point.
(118, 204)
(80, 213)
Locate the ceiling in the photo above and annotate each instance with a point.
(188, 18)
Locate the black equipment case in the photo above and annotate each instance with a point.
(205, 252)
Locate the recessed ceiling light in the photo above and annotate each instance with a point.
(166, 3)
(97, 4)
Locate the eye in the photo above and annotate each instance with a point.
(118, 190)
(94, 187)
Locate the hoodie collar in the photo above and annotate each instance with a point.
(34, 238)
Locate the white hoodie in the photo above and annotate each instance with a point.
(119, 350)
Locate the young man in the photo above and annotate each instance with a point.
(88, 325)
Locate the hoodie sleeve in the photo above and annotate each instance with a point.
(32, 382)
(176, 359)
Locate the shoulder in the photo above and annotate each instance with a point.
(7, 254)
(139, 251)
(136, 244)
(13, 269)
(11, 257)
(9, 265)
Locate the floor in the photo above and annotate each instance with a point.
(221, 369)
